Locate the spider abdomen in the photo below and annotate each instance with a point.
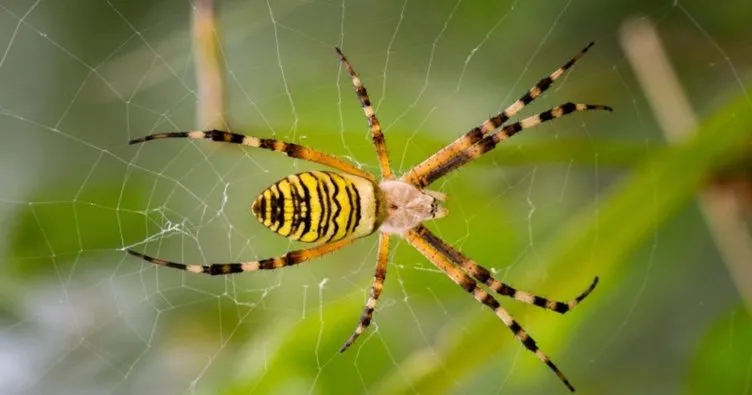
(319, 206)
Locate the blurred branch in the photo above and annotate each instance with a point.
(721, 207)
(625, 214)
(210, 101)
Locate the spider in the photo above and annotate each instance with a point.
(335, 208)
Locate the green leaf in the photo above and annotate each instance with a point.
(608, 152)
(300, 352)
(723, 364)
(629, 214)
(91, 220)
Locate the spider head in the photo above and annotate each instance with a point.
(408, 206)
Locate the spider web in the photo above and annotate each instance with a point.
(80, 316)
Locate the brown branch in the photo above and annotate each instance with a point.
(720, 205)
(210, 100)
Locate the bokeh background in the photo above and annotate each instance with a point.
(664, 221)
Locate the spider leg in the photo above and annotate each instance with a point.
(289, 259)
(422, 240)
(417, 173)
(482, 275)
(290, 149)
(489, 142)
(376, 287)
(373, 123)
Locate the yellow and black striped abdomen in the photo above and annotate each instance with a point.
(319, 206)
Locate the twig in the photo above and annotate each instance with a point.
(210, 100)
(720, 206)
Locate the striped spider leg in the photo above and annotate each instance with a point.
(373, 123)
(426, 172)
(382, 155)
(483, 276)
(376, 287)
(290, 149)
(490, 141)
(432, 248)
(213, 269)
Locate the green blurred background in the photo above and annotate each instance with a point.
(594, 194)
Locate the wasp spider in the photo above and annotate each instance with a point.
(337, 207)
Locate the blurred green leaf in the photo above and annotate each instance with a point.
(723, 364)
(89, 220)
(665, 182)
(608, 152)
(301, 352)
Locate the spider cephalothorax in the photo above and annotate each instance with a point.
(336, 208)
(408, 206)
